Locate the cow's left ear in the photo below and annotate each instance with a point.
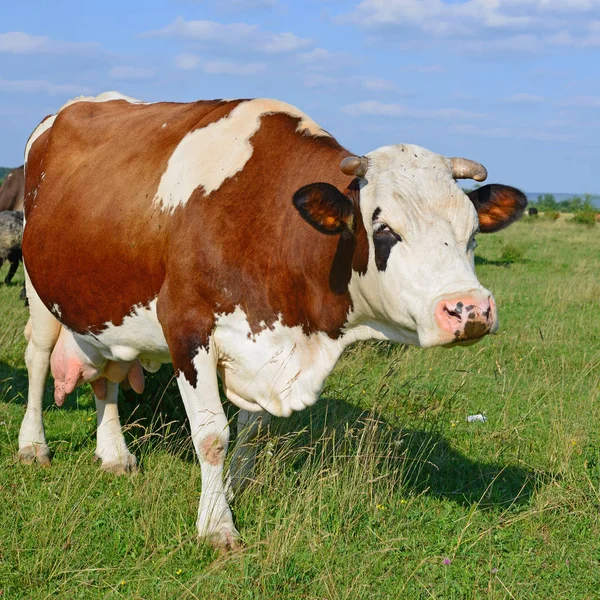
(325, 208)
(497, 206)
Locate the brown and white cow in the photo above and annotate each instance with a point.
(239, 238)
(12, 190)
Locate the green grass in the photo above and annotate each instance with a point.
(365, 495)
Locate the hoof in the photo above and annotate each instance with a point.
(30, 455)
(224, 541)
(128, 466)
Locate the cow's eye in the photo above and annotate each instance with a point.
(382, 230)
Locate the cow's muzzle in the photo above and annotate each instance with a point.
(466, 317)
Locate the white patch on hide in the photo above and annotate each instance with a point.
(37, 132)
(139, 336)
(279, 369)
(206, 157)
(55, 310)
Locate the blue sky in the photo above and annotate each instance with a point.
(514, 84)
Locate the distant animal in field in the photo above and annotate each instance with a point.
(239, 240)
(533, 211)
(11, 236)
(12, 190)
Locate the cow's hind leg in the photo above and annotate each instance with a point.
(243, 457)
(15, 259)
(111, 447)
(210, 435)
(41, 332)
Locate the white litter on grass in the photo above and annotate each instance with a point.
(476, 418)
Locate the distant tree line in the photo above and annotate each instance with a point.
(548, 203)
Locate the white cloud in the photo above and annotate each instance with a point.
(315, 55)
(372, 84)
(189, 62)
(126, 73)
(34, 86)
(232, 5)
(484, 25)
(374, 108)
(17, 42)
(320, 59)
(281, 42)
(243, 36)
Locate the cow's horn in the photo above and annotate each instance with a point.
(463, 168)
(356, 166)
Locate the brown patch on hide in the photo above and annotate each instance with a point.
(212, 450)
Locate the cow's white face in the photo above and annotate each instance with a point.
(421, 230)
(419, 286)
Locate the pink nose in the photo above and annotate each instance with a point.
(466, 318)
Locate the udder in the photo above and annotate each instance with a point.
(75, 362)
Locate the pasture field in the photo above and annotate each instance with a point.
(382, 490)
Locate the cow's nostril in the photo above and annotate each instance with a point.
(453, 313)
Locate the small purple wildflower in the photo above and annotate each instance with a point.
(495, 570)
(447, 561)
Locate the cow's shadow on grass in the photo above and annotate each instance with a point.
(13, 384)
(428, 462)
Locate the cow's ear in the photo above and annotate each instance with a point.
(325, 208)
(497, 206)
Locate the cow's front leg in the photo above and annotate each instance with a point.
(111, 448)
(210, 434)
(243, 457)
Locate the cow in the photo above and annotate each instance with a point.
(11, 199)
(239, 239)
(12, 190)
(11, 235)
(533, 211)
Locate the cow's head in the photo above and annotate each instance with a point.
(419, 285)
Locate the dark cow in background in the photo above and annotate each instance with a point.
(11, 225)
(533, 211)
(11, 236)
(12, 190)
(235, 238)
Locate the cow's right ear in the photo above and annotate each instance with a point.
(324, 207)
